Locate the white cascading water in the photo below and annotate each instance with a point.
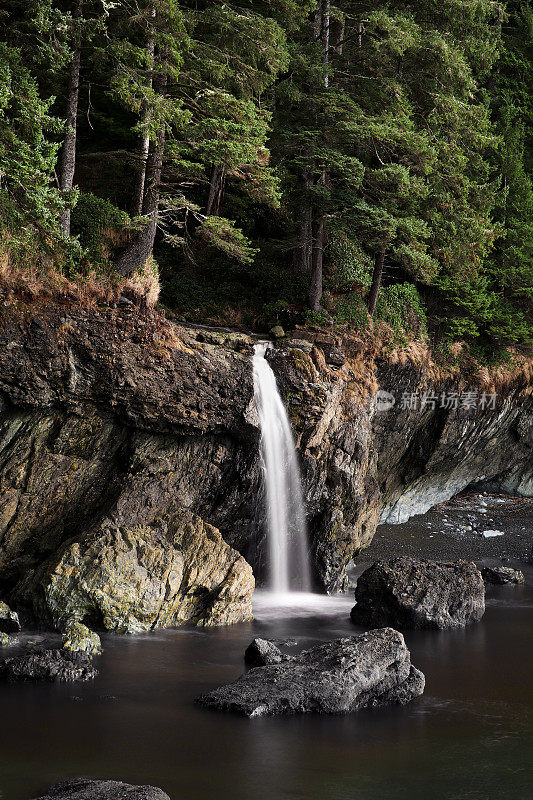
(287, 535)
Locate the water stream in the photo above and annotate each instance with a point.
(286, 528)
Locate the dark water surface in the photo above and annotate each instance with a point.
(468, 738)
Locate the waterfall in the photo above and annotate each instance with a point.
(287, 536)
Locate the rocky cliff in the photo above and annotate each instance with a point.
(122, 431)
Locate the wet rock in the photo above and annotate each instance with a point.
(261, 652)
(408, 593)
(336, 677)
(132, 579)
(78, 638)
(48, 665)
(9, 620)
(82, 789)
(501, 575)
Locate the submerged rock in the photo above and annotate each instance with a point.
(9, 620)
(408, 593)
(48, 665)
(132, 579)
(501, 575)
(78, 638)
(336, 677)
(261, 652)
(82, 789)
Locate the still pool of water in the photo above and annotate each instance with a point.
(468, 738)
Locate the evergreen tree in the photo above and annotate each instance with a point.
(27, 150)
(510, 268)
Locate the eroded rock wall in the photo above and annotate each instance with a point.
(117, 415)
(428, 456)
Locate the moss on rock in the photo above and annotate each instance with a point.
(130, 579)
(78, 638)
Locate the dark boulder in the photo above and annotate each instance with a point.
(408, 593)
(336, 677)
(501, 575)
(261, 652)
(81, 789)
(48, 665)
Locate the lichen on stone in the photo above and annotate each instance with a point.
(130, 579)
(78, 638)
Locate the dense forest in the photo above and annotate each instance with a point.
(275, 159)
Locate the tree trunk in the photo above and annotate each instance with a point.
(376, 281)
(317, 258)
(315, 292)
(317, 25)
(67, 161)
(216, 191)
(144, 141)
(325, 37)
(302, 255)
(136, 254)
(304, 248)
(337, 35)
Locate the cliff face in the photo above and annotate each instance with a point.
(120, 420)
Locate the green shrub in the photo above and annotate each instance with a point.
(350, 309)
(100, 227)
(348, 263)
(317, 317)
(400, 307)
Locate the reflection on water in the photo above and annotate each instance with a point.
(468, 737)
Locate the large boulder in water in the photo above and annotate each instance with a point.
(82, 789)
(336, 677)
(409, 593)
(48, 665)
(130, 579)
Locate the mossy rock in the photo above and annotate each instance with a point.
(277, 332)
(78, 638)
(130, 579)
